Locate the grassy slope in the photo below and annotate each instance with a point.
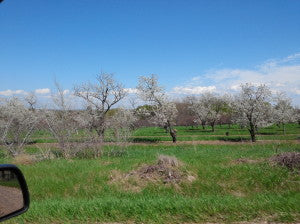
(78, 190)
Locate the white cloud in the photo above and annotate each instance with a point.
(131, 90)
(281, 75)
(66, 91)
(296, 91)
(193, 89)
(281, 78)
(12, 92)
(42, 91)
(235, 87)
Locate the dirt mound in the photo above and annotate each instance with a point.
(291, 160)
(167, 170)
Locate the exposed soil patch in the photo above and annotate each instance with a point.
(198, 142)
(291, 160)
(24, 159)
(246, 161)
(167, 170)
(238, 194)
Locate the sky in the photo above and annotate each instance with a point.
(193, 46)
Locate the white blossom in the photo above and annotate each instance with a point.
(16, 124)
(252, 107)
(162, 111)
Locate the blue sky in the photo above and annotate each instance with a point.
(192, 46)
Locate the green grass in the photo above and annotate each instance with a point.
(79, 190)
(219, 130)
(188, 133)
(155, 139)
(69, 191)
(152, 139)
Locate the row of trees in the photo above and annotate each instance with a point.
(253, 107)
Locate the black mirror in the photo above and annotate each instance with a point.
(14, 195)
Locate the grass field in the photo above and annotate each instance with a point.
(233, 183)
(188, 133)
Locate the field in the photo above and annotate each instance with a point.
(229, 179)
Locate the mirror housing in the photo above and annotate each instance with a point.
(14, 195)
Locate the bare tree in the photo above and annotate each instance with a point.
(163, 111)
(61, 122)
(121, 127)
(16, 125)
(253, 107)
(100, 98)
(283, 110)
(31, 100)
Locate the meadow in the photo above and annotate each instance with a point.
(189, 133)
(233, 182)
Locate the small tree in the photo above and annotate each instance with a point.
(61, 122)
(208, 108)
(253, 108)
(283, 110)
(100, 98)
(163, 111)
(199, 110)
(122, 125)
(16, 125)
(31, 100)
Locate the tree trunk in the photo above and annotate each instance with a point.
(100, 131)
(203, 126)
(172, 132)
(173, 135)
(252, 132)
(212, 127)
(166, 128)
(256, 129)
(283, 126)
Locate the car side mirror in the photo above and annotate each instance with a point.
(14, 195)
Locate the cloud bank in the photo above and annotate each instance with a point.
(193, 90)
(279, 74)
(42, 91)
(12, 92)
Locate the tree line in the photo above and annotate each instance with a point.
(252, 107)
